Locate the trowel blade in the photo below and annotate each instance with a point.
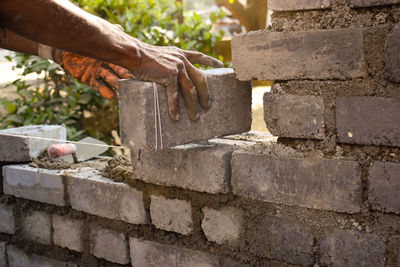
(93, 149)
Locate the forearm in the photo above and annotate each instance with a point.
(17, 43)
(60, 24)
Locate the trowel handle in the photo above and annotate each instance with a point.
(59, 150)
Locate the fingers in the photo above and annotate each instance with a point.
(110, 78)
(189, 94)
(121, 72)
(103, 89)
(199, 58)
(199, 80)
(172, 99)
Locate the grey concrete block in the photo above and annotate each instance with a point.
(368, 3)
(171, 214)
(35, 184)
(306, 182)
(19, 258)
(351, 248)
(36, 225)
(392, 55)
(290, 5)
(230, 112)
(384, 186)
(368, 120)
(109, 245)
(91, 193)
(198, 167)
(294, 116)
(223, 225)
(3, 257)
(68, 233)
(152, 254)
(7, 221)
(227, 262)
(318, 54)
(20, 149)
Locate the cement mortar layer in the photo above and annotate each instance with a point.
(340, 15)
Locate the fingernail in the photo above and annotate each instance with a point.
(176, 117)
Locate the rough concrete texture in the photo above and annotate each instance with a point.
(368, 120)
(35, 184)
(223, 225)
(384, 186)
(370, 3)
(68, 233)
(94, 194)
(294, 116)
(3, 259)
(320, 54)
(310, 182)
(153, 254)
(279, 239)
(7, 221)
(230, 112)
(351, 248)
(18, 258)
(198, 167)
(36, 226)
(290, 5)
(20, 149)
(171, 214)
(392, 55)
(109, 245)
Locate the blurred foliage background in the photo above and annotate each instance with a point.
(60, 99)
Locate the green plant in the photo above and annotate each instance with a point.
(62, 100)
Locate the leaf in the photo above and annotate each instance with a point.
(22, 109)
(11, 108)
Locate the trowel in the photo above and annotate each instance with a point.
(83, 150)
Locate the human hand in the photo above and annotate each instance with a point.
(173, 68)
(100, 76)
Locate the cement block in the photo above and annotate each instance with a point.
(171, 214)
(109, 245)
(317, 54)
(230, 112)
(227, 262)
(20, 149)
(368, 120)
(3, 258)
(152, 254)
(294, 116)
(368, 3)
(19, 258)
(198, 167)
(35, 184)
(392, 55)
(223, 225)
(351, 248)
(384, 186)
(91, 193)
(7, 221)
(36, 225)
(306, 182)
(68, 233)
(290, 5)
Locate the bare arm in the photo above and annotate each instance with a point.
(17, 43)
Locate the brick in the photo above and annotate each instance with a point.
(20, 149)
(171, 214)
(294, 116)
(230, 112)
(175, 167)
(368, 120)
(36, 225)
(109, 245)
(35, 184)
(152, 254)
(68, 233)
(306, 182)
(227, 262)
(18, 258)
(392, 57)
(223, 225)
(290, 5)
(318, 54)
(351, 248)
(7, 221)
(3, 258)
(91, 193)
(281, 240)
(384, 186)
(367, 3)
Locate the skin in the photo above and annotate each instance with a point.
(60, 24)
